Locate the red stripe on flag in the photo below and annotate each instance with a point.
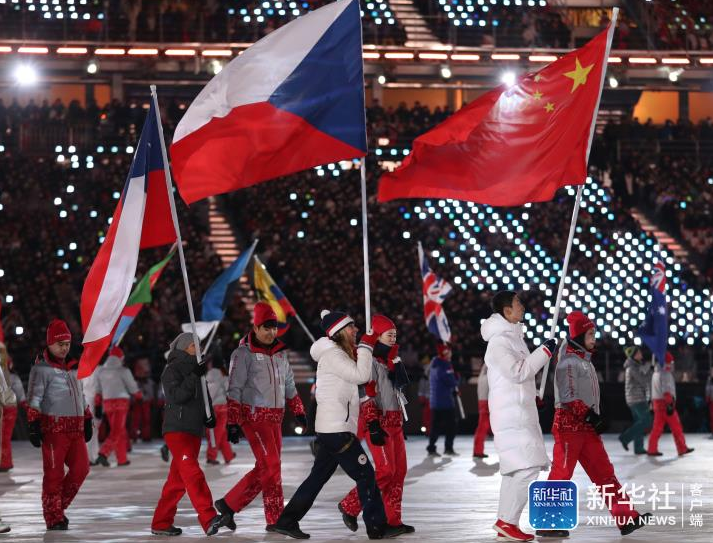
(252, 144)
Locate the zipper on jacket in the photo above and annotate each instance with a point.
(348, 406)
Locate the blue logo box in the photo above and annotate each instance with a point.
(553, 505)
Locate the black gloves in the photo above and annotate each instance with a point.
(200, 370)
(376, 433)
(35, 433)
(88, 430)
(670, 408)
(398, 376)
(234, 433)
(210, 421)
(595, 420)
(550, 345)
(302, 421)
(98, 411)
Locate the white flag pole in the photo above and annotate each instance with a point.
(365, 237)
(578, 200)
(210, 337)
(174, 215)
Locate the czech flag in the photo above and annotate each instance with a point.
(269, 292)
(293, 100)
(142, 219)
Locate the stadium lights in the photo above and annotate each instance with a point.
(465, 57)
(542, 58)
(613, 82)
(110, 51)
(143, 51)
(673, 75)
(72, 50)
(433, 56)
(92, 67)
(33, 50)
(370, 55)
(5, 49)
(216, 67)
(217, 53)
(398, 56)
(675, 61)
(381, 79)
(509, 78)
(180, 52)
(446, 72)
(505, 56)
(614, 60)
(642, 60)
(25, 75)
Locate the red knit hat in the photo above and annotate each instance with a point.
(263, 313)
(381, 324)
(579, 323)
(58, 331)
(441, 349)
(669, 360)
(116, 351)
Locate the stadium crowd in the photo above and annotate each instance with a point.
(71, 206)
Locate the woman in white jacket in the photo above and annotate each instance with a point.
(340, 370)
(513, 412)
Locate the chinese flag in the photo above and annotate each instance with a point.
(512, 145)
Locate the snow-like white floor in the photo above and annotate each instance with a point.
(446, 499)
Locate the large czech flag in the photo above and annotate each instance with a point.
(293, 100)
(142, 219)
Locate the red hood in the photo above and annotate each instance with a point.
(58, 363)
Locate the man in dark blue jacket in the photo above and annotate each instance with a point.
(444, 388)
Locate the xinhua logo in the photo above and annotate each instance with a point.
(553, 505)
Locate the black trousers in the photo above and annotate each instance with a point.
(340, 449)
(443, 422)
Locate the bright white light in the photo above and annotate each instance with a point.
(9, 299)
(446, 72)
(25, 75)
(381, 79)
(92, 67)
(19, 330)
(72, 246)
(57, 201)
(508, 78)
(216, 67)
(70, 189)
(613, 82)
(674, 75)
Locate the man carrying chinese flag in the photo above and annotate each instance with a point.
(513, 145)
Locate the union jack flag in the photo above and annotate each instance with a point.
(435, 290)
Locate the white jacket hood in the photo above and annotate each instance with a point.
(497, 325)
(320, 347)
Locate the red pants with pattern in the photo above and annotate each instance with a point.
(141, 420)
(661, 419)
(184, 475)
(221, 436)
(390, 465)
(481, 432)
(265, 440)
(60, 488)
(9, 416)
(117, 441)
(586, 447)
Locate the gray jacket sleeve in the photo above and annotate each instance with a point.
(290, 388)
(129, 381)
(239, 375)
(36, 387)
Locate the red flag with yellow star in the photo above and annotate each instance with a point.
(512, 145)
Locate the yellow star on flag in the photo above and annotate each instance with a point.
(537, 95)
(550, 107)
(579, 74)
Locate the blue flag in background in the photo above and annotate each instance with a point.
(654, 331)
(216, 297)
